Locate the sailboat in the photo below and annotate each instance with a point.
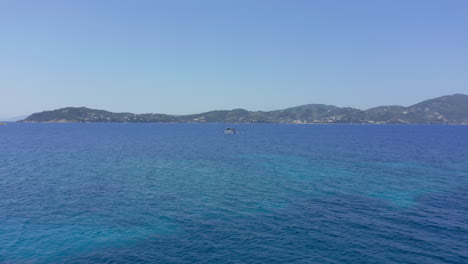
(229, 131)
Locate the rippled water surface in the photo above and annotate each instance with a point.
(186, 193)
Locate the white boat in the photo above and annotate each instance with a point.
(230, 131)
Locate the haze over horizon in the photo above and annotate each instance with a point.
(183, 57)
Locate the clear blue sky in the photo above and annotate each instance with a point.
(181, 57)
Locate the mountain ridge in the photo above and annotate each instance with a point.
(449, 109)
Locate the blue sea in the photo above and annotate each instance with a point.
(274, 193)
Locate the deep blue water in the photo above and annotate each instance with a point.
(186, 193)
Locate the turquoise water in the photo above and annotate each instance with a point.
(187, 193)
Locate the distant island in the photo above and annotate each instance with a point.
(450, 109)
